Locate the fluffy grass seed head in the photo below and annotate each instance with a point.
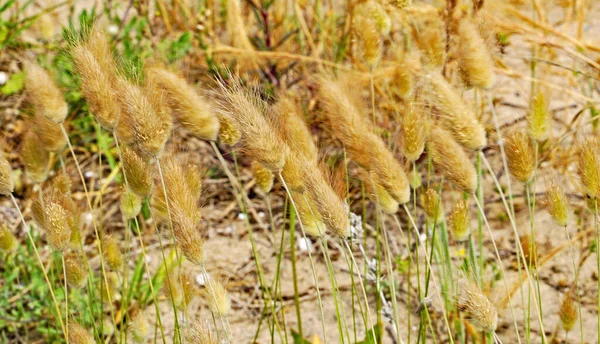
(530, 251)
(474, 61)
(451, 160)
(35, 158)
(292, 128)
(456, 116)
(217, 297)
(588, 168)
(49, 134)
(259, 140)
(415, 129)
(97, 87)
(367, 40)
(43, 93)
(137, 171)
(557, 204)
(54, 218)
(539, 118)
(377, 193)
(110, 288)
(79, 335)
(7, 185)
(432, 205)
(476, 307)
(263, 177)
(567, 312)
(459, 221)
(309, 216)
(199, 333)
(140, 328)
(520, 156)
(113, 255)
(8, 241)
(75, 270)
(191, 109)
(228, 132)
(130, 204)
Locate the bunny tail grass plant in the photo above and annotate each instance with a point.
(289, 121)
(199, 333)
(476, 307)
(218, 298)
(368, 150)
(539, 117)
(193, 111)
(567, 313)
(137, 172)
(520, 157)
(459, 221)
(474, 61)
(79, 335)
(415, 129)
(43, 93)
(228, 132)
(455, 115)
(263, 177)
(75, 271)
(431, 203)
(55, 217)
(451, 160)
(378, 194)
(35, 158)
(48, 134)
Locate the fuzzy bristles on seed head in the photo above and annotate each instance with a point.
(476, 306)
(432, 205)
(451, 160)
(199, 333)
(567, 312)
(43, 93)
(131, 204)
(520, 156)
(456, 116)
(48, 134)
(97, 87)
(557, 204)
(54, 218)
(530, 251)
(429, 35)
(7, 185)
(35, 158)
(259, 140)
(79, 335)
(110, 288)
(539, 118)
(147, 121)
(181, 288)
(76, 271)
(377, 193)
(193, 111)
(228, 131)
(588, 167)
(368, 40)
(8, 241)
(140, 328)
(474, 61)
(137, 171)
(459, 221)
(217, 297)
(362, 145)
(309, 216)
(374, 11)
(287, 117)
(415, 128)
(112, 253)
(263, 177)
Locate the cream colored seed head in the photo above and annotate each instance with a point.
(35, 158)
(475, 306)
(43, 93)
(76, 272)
(309, 216)
(588, 168)
(557, 205)
(368, 40)
(218, 298)
(228, 132)
(7, 184)
(520, 156)
(199, 333)
(568, 312)
(292, 128)
(475, 63)
(131, 204)
(138, 172)
(79, 335)
(415, 129)
(140, 328)
(377, 193)
(56, 225)
(459, 221)
(49, 134)
(263, 177)
(112, 253)
(451, 160)
(193, 111)
(8, 241)
(432, 205)
(539, 118)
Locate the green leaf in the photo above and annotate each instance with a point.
(373, 335)
(298, 338)
(14, 84)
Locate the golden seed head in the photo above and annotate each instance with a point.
(451, 160)
(539, 118)
(140, 328)
(112, 253)
(35, 158)
(459, 221)
(7, 185)
(374, 11)
(199, 333)
(8, 241)
(430, 38)
(309, 216)
(557, 205)
(217, 297)
(378, 194)
(474, 61)
(109, 290)
(228, 132)
(288, 119)
(293, 171)
(415, 129)
(79, 335)
(131, 204)
(588, 168)
(137, 172)
(520, 156)
(181, 288)
(402, 82)
(530, 252)
(259, 140)
(476, 306)
(368, 40)
(263, 177)
(43, 93)
(188, 237)
(48, 134)
(56, 225)
(76, 271)
(568, 312)
(193, 111)
(400, 4)
(456, 116)
(432, 205)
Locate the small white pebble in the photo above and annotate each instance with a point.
(242, 216)
(207, 12)
(113, 30)
(228, 229)
(87, 217)
(3, 78)
(89, 174)
(148, 259)
(304, 244)
(200, 27)
(201, 278)
(422, 237)
(500, 142)
(261, 214)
